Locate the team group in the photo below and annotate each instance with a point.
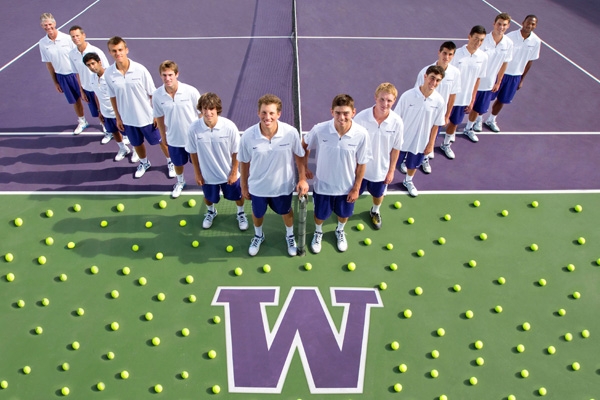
(354, 152)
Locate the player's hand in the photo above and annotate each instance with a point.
(232, 178)
(389, 177)
(520, 84)
(302, 187)
(468, 109)
(84, 97)
(58, 88)
(352, 196)
(429, 148)
(246, 193)
(120, 126)
(199, 179)
(496, 87)
(101, 118)
(309, 174)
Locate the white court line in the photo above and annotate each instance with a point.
(550, 47)
(36, 44)
(198, 37)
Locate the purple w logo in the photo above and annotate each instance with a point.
(258, 358)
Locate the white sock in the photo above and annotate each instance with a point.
(408, 178)
(258, 230)
(340, 226)
(479, 118)
(469, 125)
(240, 209)
(448, 139)
(144, 160)
(180, 178)
(168, 160)
(492, 118)
(375, 208)
(122, 146)
(81, 119)
(319, 228)
(289, 230)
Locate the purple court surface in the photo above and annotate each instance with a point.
(243, 49)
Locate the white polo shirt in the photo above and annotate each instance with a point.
(497, 54)
(337, 156)
(99, 87)
(214, 148)
(449, 85)
(471, 67)
(85, 75)
(524, 50)
(383, 138)
(57, 52)
(419, 114)
(179, 111)
(272, 171)
(132, 91)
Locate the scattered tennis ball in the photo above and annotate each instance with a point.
(598, 261)
(501, 280)
(524, 373)
(104, 223)
(125, 270)
(162, 204)
(45, 302)
(542, 282)
(420, 252)
(393, 266)
(368, 241)
(483, 236)
(159, 256)
(27, 370)
(62, 277)
(216, 389)
(161, 296)
(551, 350)
(581, 240)
(478, 345)
(443, 397)
(308, 266)
(158, 388)
(542, 391)
(65, 391)
(9, 257)
(562, 312)
(411, 220)
(441, 332)
(21, 303)
(575, 366)
(182, 222)
(185, 374)
(191, 202)
(142, 281)
(155, 341)
(10, 277)
(389, 246)
(397, 387)
(585, 334)
(504, 213)
(114, 294)
(351, 266)
(472, 263)
(476, 203)
(217, 319)
(402, 368)
(189, 279)
(238, 271)
(76, 207)
(18, 221)
(568, 337)
(195, 243)
(100, 386)
(148, 316)
(407, 313)
(360, 227)
(447, 217)
(480, 361)
(3, 384)
(135, 247)
(578, 208)
(526, 326)
(534, 204)
(520, 348)
(49, 213)
(49, 241)
(120, 207)
(383, 286)
(434, 373)
(110, 355)
(576, 295)
(398, 204)
(534, 247)
(80, 311)
(65, 366)
(267, 268)
(435, 354)
(39, 330)
(148, 224)
(212, 354)
(229, 248)
(498, 309)
(185, 332)
(570, 267)
(71, 245)
(442, 240)
(418, 290)
(114, 326)
(469, 314)
(473, 381)
(75, 345)
(456, 288)
(511, 397)
(192, 298)
(94, 269)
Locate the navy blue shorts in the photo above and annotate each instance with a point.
(70, 87)
(457, 115)
(376, 189)
(508, 89)
(230, 192)
(179, 157)
(137, 134)
(93, 106)
(325, 205)
(412, 161)
(110, 124)
(482, 101)
(282, 205)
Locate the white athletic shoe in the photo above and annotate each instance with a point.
(208, 218)
(125, 139)
(431, 155)
(403, 167)
(448, 151)
(342, 243)
(80, 127)
(412, 190)
(477, 127)
(470, 133)
(177, 188)
(242, 221)
(315, 245)
(141, 169)
(255, 244)
(134, 156)
(493, 126)
(291, 245)
(122, 153)
(106, 138)
(425, 166)
(171, 167)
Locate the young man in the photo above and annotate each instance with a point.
(55, 48)
(448, 88)
(130, 87)
(526, 49)
(499, 49)
(342, 151)
(106, 113)
(85, 75)
(267, 153)
(423, 111)
(472, 64)
(174, 105)
(213, 143)
(385, 129)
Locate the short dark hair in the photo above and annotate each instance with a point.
(270, 99)
(76, 27)
(168, 64)
(502, 16)
(115, 40)
(436, 69)
(477, 29)
(209, 101)
(448, 45)
(530, 16)
(91, 56)
(342, 100)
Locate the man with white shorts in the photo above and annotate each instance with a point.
(525, 51)
(106, 113)
(342, 151)
(85, 75)
(174, 105)
(472, 63)
(448, 88)
(55, 48)
(213, 143)
(385, 129)
(423, 111)
(268, 151)
(499, 49)
(130, 87)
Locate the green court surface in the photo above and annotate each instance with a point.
(505, 256)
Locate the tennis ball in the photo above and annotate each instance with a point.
(161, 296)
(407, 313)
(478, 345)
(576, 295)
(142, 281)
(598, 261)
(570, 267)
(27, 370)
(351, 266)
(469, 314)
(104, 223)
(441, 332)
(267, 268)
(148, 316)
(383, 286)
(192, 298)
(441, 240)
(483, 236)
(49, 241)
(534, 204)
(542, 391)
(498, 309)
(65, 366)
(308, 266)
(578, 208)
(542, 282)
(568, 337)
(10, 277)
(185, 332)
(39, 330)
(195, 243)
(360, 227)
(526, 326)
(185, 374)
(9, 257)
(581, 240)
(393, 266)
(80, 311)
(534, 247)
(368, 241)
(71, 245)
(389, 246)
(120, 207)
(158, 388)
(524, 373)
(183, 222)
(156, 341)
(575, 366)
(435, 354)
(159, 256)
(585, 334)
(472, 263)
(551, 349)
(62, 277)
(65, 391)
(100, 386)
(229, 248)
(114, 294)
(3, 384)
(189, 279)
(216, 389)
(476, 203)
(110, 355)
(504, 213)
(126, 271)
(511, 397)
(18, 221)
(94, 269)
(45, 302)
(238, 271)
(135, 247)
(456, 288)
(212, 354)
(75, 345)
(562, 312)
(76, 207)
(191, 202)
(480, 361)
(162, 204)
(402, 368)
(411, 220)
(473, 381)
(420, 252)
(418, 290)
(148, 224)
(447, 217)
(434, 373)
(21, 303)
(114, 326)
(443, 397)
(501, 280)
(49, 213)
(398, 204)
(520, 348)
(217, 319)
(397, 387)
